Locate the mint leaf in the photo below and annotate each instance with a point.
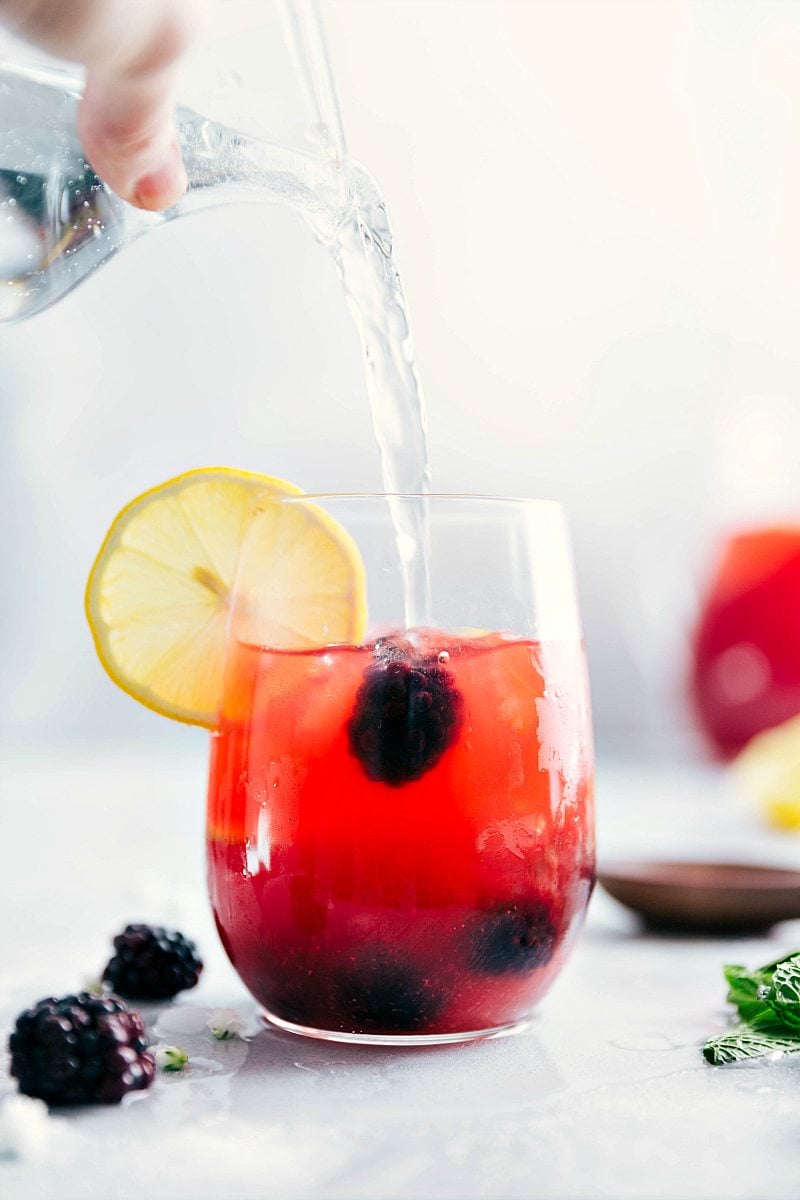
(743, 1042)
(782, 995)
(768, 1003)
(743, 988)
(766, 1022)
(771, 967)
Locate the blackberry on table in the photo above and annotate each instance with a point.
(516, 937)
(80, 1050)
(407, 712)
(152, 963)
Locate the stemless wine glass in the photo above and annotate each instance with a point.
(400, 832)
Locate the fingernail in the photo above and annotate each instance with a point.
(163, 186)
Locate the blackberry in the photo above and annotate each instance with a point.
(152, 963)
(514, 938)
(80, 1050)
(408, 711)
(385, 996)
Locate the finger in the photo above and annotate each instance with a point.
(131, 53)
(125, 122)
(126, 130)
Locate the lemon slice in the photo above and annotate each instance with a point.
(160, 593)
(769, 770)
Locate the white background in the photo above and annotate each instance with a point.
(595, 210)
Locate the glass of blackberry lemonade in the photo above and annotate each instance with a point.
(400, 815)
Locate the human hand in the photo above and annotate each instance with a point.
(131, 52)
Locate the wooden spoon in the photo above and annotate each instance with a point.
(705, 897)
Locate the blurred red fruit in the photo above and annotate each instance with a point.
(746, 652)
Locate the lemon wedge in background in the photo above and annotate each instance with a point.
(769, 770)
(160, 591)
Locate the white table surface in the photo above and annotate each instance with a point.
(604, 1095)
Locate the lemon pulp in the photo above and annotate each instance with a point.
(161, 591)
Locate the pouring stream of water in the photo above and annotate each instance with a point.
(60, 223)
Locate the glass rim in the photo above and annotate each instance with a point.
(469, 497)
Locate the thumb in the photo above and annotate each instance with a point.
(126, 130)
(131, 53)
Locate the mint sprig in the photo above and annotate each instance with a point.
(768, 1003)
(782, 994)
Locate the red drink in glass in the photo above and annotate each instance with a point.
(400, 834)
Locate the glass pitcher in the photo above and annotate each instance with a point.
(242, 140)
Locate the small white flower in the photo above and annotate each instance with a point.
(24, 1128)
(226, 1023)
(170, 1058)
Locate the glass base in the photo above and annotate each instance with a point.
(391, 1039)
